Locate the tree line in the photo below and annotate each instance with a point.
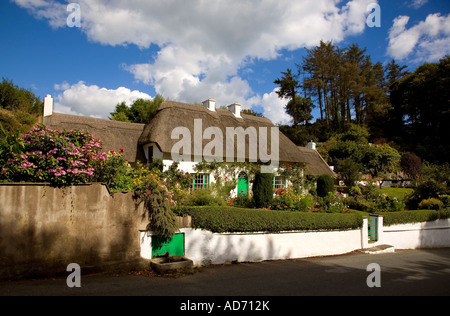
(409, 111)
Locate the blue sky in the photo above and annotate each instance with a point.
(193, 50)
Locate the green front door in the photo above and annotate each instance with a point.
(242, 185)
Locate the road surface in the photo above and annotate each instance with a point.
(405, 273)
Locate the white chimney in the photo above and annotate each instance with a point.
(235, 109)
(210, 105)
(48, 105)
(312, 145)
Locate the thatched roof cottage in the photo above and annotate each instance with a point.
(192, 133)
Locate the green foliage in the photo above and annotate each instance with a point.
(158, 201)
(230, 219)
(203, 197)
(141, 111)
(15, 99)
(59, 157)
(116, 172)
(325, 185)
(436, 172)
(419, 116)
(371, 199)
(431, 204)
(349, 171)
(293, 172)
(174, 177)
(290, 200)
(225, 175)
(411, 165)
(410, 217)
(288, 86)
(331, 203)
(262, 189)
(345, 83)
(445, 199)
(424, 191)
(241, 200)
(300, 110)
(355, 191)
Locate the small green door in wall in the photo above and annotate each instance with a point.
(242, 184)
(172, 247)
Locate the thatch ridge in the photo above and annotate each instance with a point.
(175, 114)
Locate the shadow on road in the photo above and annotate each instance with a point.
(418, 272)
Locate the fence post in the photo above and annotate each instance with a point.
(365, 233)
(380, 229)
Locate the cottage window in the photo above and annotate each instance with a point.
(279, 183)
(200, 181)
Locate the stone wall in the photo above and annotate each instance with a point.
(43, 229)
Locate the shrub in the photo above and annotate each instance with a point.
(331, 203)
(58, 157)
(355, 191)
(360, 204)
(445, 199)
(230, 220)
(158, 201)
(431, 204)
(116, 172)
(241, 200)
(370, 192)
(203, 197)
(306, 203)
(349, 171)
(409, 217)
(426, 190)
(174, 177)
(290, 200)
(325, 185)
(262, 189)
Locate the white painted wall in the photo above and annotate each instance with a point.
(204, 247)
(417, 236)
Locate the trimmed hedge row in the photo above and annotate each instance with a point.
(410, 217)
(233, 220)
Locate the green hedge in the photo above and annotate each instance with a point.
(232, 220)
(410, 217)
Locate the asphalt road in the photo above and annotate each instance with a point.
(403, 273)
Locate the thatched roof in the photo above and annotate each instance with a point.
(132, 137)
(175, 114)
(315, 164)
(115, 135)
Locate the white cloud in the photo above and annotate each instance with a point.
(81, 99)
(52, 11)
(204, 44)
(428, 40)
(273, 107)
(416, 4)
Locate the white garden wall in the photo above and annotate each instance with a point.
(416, 236)
(205, 248)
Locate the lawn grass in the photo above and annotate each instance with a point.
(399, 193)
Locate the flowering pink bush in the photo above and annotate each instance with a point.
(58, 157)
